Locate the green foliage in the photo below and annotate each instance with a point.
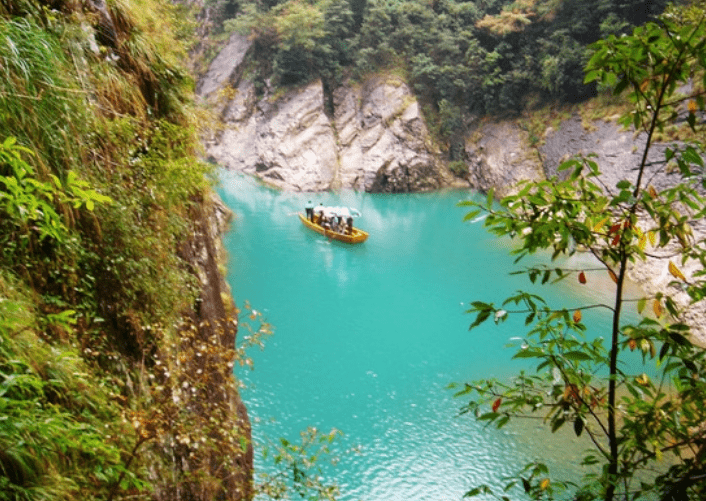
(646, 431)
(55, 420)
(37, 101)
(99, 189)
(491, 57)
(305, 40)
(299, 474)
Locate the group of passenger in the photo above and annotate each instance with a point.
(332, 222)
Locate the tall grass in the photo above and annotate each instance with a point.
(106, 147)
(38, 101)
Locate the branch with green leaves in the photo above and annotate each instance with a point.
(633, 417)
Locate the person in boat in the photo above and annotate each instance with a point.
(309, 208)
(318, 214)
(349, 228)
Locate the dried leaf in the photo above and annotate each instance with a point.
(496, 404)
(632, 344)
(544, 484)
(577, 316)
(652, 236)
(613, 276)
(600, 224)
(676, 272)
(657, 308)
(582, 278)
(692, 106)
(651, 190)
(643, 379)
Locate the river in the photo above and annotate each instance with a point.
(368, 337)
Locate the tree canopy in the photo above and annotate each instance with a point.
(487, 57)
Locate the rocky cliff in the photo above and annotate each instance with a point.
(207, 350)
(367, 136)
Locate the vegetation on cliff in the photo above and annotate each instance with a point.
(644, 422)
(463, 58)
(111, 350)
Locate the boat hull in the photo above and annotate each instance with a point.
(358, 235)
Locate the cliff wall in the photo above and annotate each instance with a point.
(367, 136)
(209, 340)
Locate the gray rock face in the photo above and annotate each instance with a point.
(384, 143)
(500, 158)
(289, 143)
(376, 139)
(226, 67)
(617, 152)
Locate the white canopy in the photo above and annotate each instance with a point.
(337, 211)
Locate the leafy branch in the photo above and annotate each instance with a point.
(578, 379)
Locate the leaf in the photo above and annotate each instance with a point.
(613, 276)
(657, 308)
(691, 105)
(582, 278)
(496, 404)
(641, 303)
(632, 344)
(642, 242)
(577, 316)
(600, 224)
(663, 351)
(526, 485)
(576, 356)
(471, 215)
(491, 197)
(643, 379)
(578, 426)
(557, 423)
(676, 272)
(482, 317)
(544, 484)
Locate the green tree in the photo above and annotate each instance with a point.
(634, 421)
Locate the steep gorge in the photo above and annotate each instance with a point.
(376, 140)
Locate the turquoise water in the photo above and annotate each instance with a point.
(367, 337)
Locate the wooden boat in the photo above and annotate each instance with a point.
(356, 237)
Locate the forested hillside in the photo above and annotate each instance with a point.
(115, 332)
(464, 58)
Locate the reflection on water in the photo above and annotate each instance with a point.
(367, 338)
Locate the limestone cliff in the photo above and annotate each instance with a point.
(369, 136)
(498, 157)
